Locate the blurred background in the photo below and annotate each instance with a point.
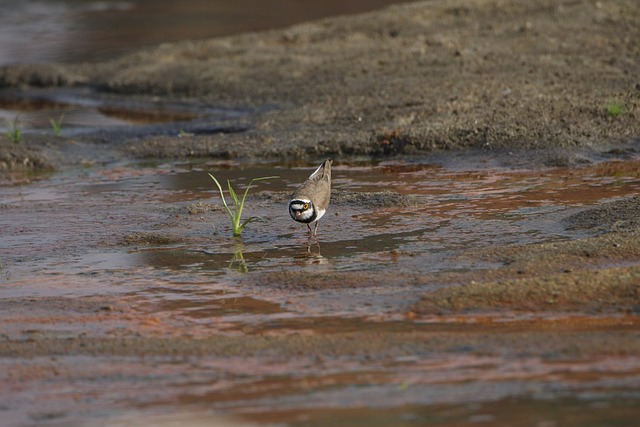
(34, 31)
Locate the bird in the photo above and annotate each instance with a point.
(310, 201)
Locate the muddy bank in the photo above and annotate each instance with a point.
(408, 79)
(439, 278)
(601, 291)
(123, 291)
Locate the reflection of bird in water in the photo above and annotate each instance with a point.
(312, 255)
(311, 200)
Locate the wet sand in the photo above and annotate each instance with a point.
(497, 276)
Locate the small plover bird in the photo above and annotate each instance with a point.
(310, 201)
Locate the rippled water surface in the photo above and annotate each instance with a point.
(154, 238)
(124, 299)
(80, 222)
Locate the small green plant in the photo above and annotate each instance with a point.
(238, 205)
(56, 125)
(615, 108)
(184, 134)
(14, 133)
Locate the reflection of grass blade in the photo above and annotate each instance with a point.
(238, 206)
(238, 260)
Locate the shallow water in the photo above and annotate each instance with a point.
(78, 234)
(72, 31)
(121, 305)
(85, 111)
(35, 31)
(78, 221)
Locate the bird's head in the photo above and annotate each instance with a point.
(302, 210)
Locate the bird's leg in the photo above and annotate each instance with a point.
(315, 230)
(309, 227)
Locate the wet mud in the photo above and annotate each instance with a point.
(409, 79)
(478, 264)
(413, 298)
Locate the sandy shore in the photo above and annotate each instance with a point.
(518, 83)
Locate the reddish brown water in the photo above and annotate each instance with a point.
(454, 210)
(65, 238)
(115, 327)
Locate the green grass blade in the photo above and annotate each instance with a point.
(13, 132)
(233, 193)
(236, 215)
(244, 197)
(252, 219)
(56, 125)
(251, 182)
(222, 196)
(235, 219)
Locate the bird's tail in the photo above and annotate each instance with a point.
(323, 169)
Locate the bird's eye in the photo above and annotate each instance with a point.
(305, 206)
